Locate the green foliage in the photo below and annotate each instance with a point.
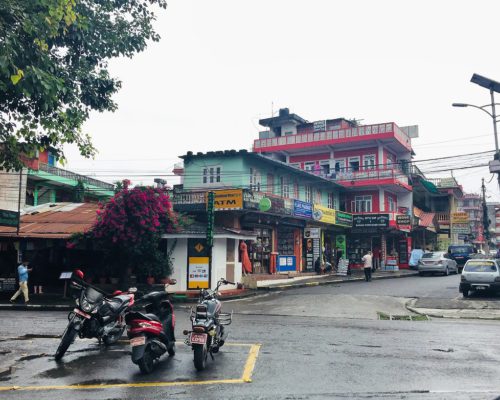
(54, 68)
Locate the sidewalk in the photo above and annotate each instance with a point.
(260, 283)
(275, 283)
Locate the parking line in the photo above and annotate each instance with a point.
(245, 378)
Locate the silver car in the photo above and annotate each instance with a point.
(480, 274)
(437, 262)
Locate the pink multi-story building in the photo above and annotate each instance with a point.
(371, 162)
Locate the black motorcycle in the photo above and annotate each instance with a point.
(208, 333)
(96, 315)
(151, 330)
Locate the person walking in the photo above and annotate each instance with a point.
(22, 271)
(367, 261)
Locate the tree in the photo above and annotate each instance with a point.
(129, 228)
(54, 68)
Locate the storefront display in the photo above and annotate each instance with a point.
(286, 241)
(260, 251)
(357, 247)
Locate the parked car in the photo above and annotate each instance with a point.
(460, 253)
(437, 262)
(480, 274)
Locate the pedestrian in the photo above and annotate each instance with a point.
(245, 260)
(415, 256)
(22, 271)
(367, 260)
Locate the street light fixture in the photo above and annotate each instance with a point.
(493, 86)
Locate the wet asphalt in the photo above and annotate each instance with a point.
(307, 352)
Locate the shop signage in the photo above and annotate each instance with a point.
(340, 244)
(403, 220)
(302, 209)
(228, 199)
(286, 264)
(8, 218)
(371, 221)
(275, 205)
(324, 214)
(198, 273)
(312, 233)
(319, 126)
(460, 228)
(343, 219)
(7, 284)
(459, 218)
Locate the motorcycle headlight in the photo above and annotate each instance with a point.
(86, 306)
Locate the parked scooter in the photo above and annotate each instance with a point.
(208, 333)
(96, 315)
(151, 331)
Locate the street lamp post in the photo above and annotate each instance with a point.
(492, 86)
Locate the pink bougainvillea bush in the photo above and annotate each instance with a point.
(128, 230)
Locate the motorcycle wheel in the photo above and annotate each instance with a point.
(200, 356)
(171, 350)
(67, 338)
(146, 363)
(113, 336)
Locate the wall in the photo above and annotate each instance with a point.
(9, 189)
(233, 172)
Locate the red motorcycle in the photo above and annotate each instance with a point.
(151, 330)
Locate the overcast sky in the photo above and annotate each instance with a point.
(222, 65)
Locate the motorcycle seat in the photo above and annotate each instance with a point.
(152, 317)
(118, 302)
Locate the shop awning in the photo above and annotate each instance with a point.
(425, 219)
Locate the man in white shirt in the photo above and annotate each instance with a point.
(367, 261)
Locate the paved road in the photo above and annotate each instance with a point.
(301, 356)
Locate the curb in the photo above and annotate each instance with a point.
(324, 283)
(442, 316)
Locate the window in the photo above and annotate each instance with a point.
(308, 191)
(391, 204)
(362, 204)
(340, 165)
(270, 183)
(317, 197)
(354, 164)
(211, 175)
(331, 200)
(309, 166)
(369, 161)
(255, 180)
(325, 167)
(284, 187)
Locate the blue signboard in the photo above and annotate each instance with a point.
(286, 264)
(302, 209)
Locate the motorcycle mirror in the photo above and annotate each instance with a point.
(173, 281)
(132, 290)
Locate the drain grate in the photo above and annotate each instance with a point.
(391, 317)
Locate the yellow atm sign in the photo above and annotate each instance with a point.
(228, 199)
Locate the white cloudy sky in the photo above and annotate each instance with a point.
(223, 64)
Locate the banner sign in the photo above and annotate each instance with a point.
(302, 209)
(274, 205)
(324, 214)
(403, 220)
(371, 221)
(343, 219)
(198, 273)
(9, 218)
(313, 233)
(460, 228)
(228, 199)
(459, 218)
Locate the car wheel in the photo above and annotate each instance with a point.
(465, 292)
(446, 272)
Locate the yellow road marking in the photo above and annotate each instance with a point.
(250, 364)
(245, 378)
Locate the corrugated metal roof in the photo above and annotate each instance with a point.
(54, 221)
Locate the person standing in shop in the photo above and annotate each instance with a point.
(367, 265)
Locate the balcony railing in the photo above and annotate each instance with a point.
(74, 176)
(365, 174)
(312, 137)
(443, 218)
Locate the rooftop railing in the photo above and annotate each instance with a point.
(312, 137)
(74, 176)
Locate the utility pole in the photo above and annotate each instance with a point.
(486, 224)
